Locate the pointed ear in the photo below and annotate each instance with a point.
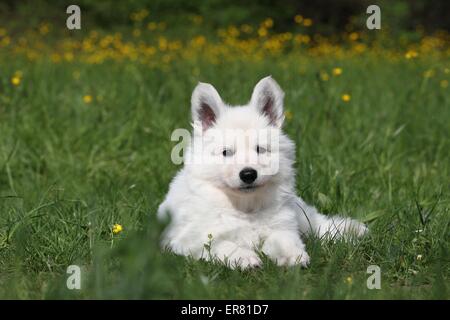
(268, 97)
(206, 105)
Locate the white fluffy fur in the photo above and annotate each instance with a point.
(206, 199)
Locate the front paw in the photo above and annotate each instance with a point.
(300, 257)
(286, 253)
(242, 259)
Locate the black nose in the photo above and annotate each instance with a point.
(248, 175)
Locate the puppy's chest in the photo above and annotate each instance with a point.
(254, 226)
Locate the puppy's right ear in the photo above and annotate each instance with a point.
(268, 97)
(206, 105)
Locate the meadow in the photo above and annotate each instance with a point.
(85, 126)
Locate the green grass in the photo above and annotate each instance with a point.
(70, 170)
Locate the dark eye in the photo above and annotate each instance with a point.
(260, 149)
(227, 152)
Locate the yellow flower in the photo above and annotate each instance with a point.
(429, 73)
(298, 19)
(419, 257)
(411, 54)
(15, 80)
(117, 228)
(87, 99)
(152, 26)
(444, 83)
(139, 15)
(199, 41)
(44, 28)
(56, 58)
(354, 36)
(349, 280)
(268, 23)
(262, 32)
(5, 41)
(68, 56)
(360, 47)
(288, 114)
(307, 22)
(324, 76)
(337, 71)
(346, 97)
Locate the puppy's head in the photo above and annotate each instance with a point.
(242, 148)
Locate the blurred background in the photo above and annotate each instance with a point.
(328, 16)
(162, 31)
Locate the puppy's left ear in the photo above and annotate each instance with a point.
(206, 105)
(268, 97)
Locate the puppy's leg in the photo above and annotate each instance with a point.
(334, 227)
(286, 248)
(235, 256)
(163, 211)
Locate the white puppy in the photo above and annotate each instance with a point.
(237, 191)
